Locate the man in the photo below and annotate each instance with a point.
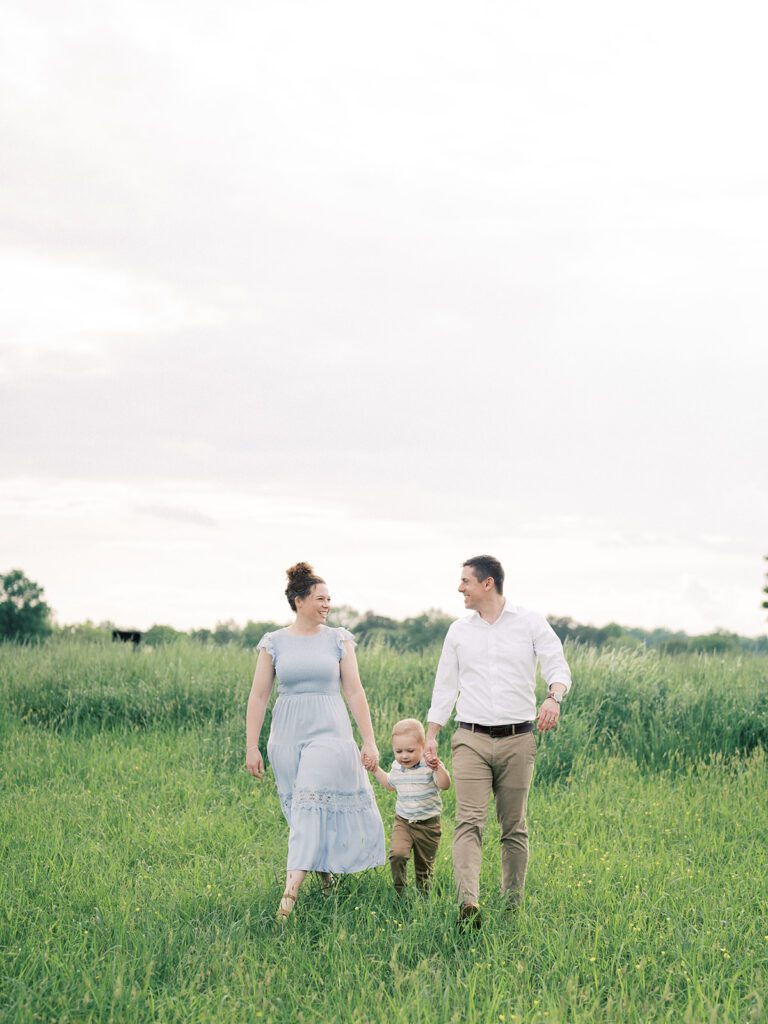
(488, 670)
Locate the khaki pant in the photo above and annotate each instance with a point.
(482, 765)
(421, 836)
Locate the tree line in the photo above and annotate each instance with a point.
(25, 617)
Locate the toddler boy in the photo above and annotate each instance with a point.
(417, 810)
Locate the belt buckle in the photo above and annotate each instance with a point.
(501, 732)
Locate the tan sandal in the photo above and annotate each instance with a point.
(283, 913)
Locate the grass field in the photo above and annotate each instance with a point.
(141, 865)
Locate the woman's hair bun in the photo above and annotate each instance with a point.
(301, 578)
(300, 570)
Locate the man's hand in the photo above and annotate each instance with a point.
(549, 715)
(430, 753)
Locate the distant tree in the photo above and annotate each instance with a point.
(24, 615)
(425, 630)
(414, 634)
(715, 643)
(676, 645)
(203, 636)
(563, 626)
(90, 632)
(254, 631)
(375, 627)
(765, 589)
(227, 633)
(158, 635)
(344, 615)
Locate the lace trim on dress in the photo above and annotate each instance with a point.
(327, 800)
(342, 635)
(265, 644)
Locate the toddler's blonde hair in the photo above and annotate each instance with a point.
(409, 725)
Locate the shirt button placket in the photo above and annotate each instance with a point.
(493, 664)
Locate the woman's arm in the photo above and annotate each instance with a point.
(354, 695)
(263, 678)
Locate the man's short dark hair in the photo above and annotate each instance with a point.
(484, 566)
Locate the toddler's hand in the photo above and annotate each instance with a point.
(430, 755)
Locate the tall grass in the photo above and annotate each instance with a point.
(663, 711)
(67, 685)
(140, 873)
(660, 710)
(140, 865)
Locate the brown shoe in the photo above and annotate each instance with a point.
(327, 882)
(469, 916)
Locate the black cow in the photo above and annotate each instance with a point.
(127, 636)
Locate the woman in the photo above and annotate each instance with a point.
(335, 825)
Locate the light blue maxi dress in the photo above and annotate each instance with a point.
(324, 790)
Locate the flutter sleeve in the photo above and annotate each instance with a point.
(265, 644)
(342, 635)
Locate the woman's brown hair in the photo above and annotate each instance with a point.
(301, 579)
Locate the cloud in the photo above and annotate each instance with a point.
(482, 281)
(178, 515)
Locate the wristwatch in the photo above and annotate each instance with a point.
(556, 697)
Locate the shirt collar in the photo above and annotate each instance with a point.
(508, 608)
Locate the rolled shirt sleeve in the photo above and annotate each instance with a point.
(549, 651)
(446, 688)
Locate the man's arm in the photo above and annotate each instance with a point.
(444, 695)
(430, 747)
(554, 668)
(549, 651)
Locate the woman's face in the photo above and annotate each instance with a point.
(316, 605)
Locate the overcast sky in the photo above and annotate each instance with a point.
(384, 287)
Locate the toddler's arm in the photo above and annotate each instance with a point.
(441, 776)
(381, 776)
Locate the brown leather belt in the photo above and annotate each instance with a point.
(496, 732)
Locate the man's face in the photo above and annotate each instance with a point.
(473, 590)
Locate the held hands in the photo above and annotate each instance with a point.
(254, 763)
(430, 754)
(369, 756)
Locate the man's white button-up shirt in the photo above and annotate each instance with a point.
(491, 668)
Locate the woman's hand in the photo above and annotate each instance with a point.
(369, 755)
(254, 763)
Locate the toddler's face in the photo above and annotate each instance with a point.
(407, 748)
